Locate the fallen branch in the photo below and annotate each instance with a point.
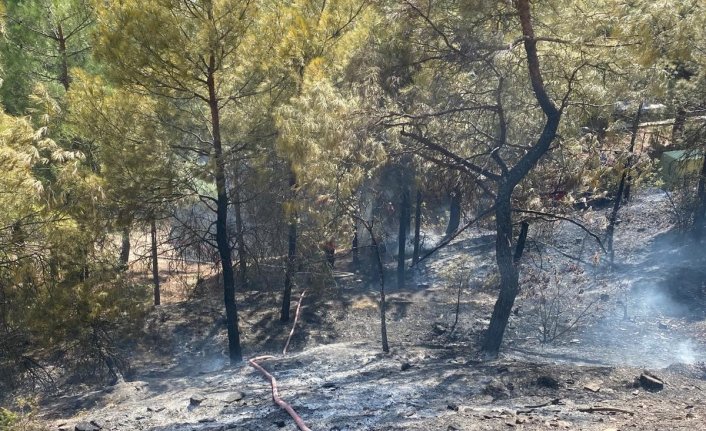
(446, 241)
(275, 393)
(296, 319)
(560, 217)
(598, 409)
(552, 402)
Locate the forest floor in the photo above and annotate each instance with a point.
(577, 343)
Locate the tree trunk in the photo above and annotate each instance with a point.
(678, 127)
(291, 256)
(222, 239)
(417, 227)
(454, 212)
(521, 240)
(63, 58)
(621, 188)
(383, 303)
(155, 262)
(354, 246)
(124, 248)
(402, 236)
(509, 277)
(700, 215)
(240, 236)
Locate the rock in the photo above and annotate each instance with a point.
(548, 382)
(453, 427)
(592, 386)
(155, 409)
(206, 420)
(496, 389)
(100, 424)
(86, 426)
(329, 385)
(280, 424)
(651, 382)
(452, 406)
(405, 366)
(439, 328)
(234, 397)
(196, 399)
(408, 412)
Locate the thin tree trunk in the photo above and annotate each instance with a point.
(621, 188)
(402, 237)
(354, 246)
(383, 303)
(454, 212)
(700, 216)
(291, 256)
(417, 227)
(678, 127)
(155, 262)
(124, 248)
(63, 58)
(240, 237)
(222, 239)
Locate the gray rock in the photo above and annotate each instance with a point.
(86, 426)
(196, 399)
(234, 397)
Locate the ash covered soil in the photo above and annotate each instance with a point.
(578, 341)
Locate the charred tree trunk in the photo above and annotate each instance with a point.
(678, 127)
(383, 303)
(621, 188)
(521, 240)
(700, 215)
(291, 256)
(124, 248)
(509, 276)
(454, 212)
(155, 262)
(402, 237)
(354, 246)
(222, 237)
(240, 237)
(417, 227)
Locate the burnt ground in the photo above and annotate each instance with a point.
(580, 336)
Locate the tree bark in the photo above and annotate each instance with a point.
(124, 248)
(417, 227)
(402, 236)
(678, 127)
(622, 188)
(383, 303)
(63, 58)
(521, 240)
(291, 256)
(155, 263)
(509, 276)
(240, 236)
(222, 237)
(700, 215)
(454, 212)
(354, 246)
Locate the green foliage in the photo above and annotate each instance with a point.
(7, 419)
